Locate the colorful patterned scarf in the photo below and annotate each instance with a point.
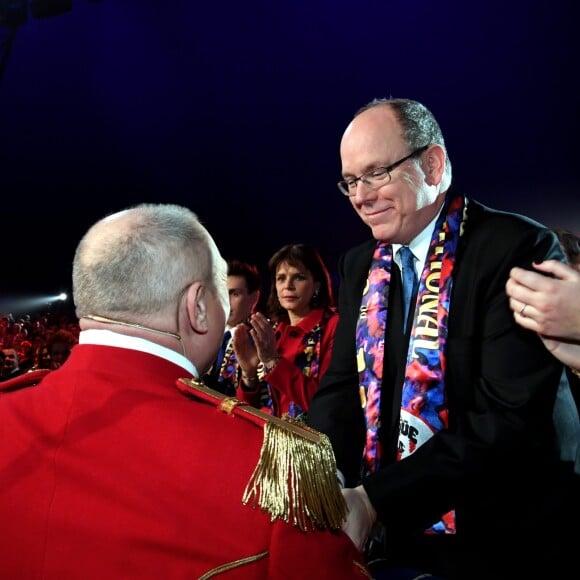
(228, 376)
(424, 406)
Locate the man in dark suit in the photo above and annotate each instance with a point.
(244, 286)
(442, 429)
(11, 365)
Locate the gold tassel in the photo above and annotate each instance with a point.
(295, 479)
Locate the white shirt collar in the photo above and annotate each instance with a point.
(419, 245)
(109, 338)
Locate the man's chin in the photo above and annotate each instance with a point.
(382, 232)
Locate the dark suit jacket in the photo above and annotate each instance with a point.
(496, 464)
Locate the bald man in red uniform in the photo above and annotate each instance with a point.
(113, 467)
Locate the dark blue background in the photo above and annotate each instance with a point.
(236, 109)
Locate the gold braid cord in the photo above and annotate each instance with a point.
(295, 479)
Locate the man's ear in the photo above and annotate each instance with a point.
(435, 157)
(197, 307)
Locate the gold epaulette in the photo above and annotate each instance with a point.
(295, 479)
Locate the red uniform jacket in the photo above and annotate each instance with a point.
(107, 470)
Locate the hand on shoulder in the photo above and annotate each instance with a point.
(547, 304)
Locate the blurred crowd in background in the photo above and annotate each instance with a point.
(35, 341)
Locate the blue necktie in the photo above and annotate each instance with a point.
(410, 281)
(222, 351)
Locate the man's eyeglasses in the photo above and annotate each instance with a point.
(376, 177)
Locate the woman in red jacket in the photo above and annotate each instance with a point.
(284, 356)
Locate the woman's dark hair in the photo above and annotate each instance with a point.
(299, 255)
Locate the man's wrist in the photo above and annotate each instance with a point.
(371, 512)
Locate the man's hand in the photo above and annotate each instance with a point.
(547, 305)
(361, 516)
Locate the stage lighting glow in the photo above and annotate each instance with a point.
(26, 303)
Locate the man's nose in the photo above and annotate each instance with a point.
(362, 191)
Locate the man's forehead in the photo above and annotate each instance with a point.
(371, 139)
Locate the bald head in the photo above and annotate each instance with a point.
(401, 120)
(137, 261)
